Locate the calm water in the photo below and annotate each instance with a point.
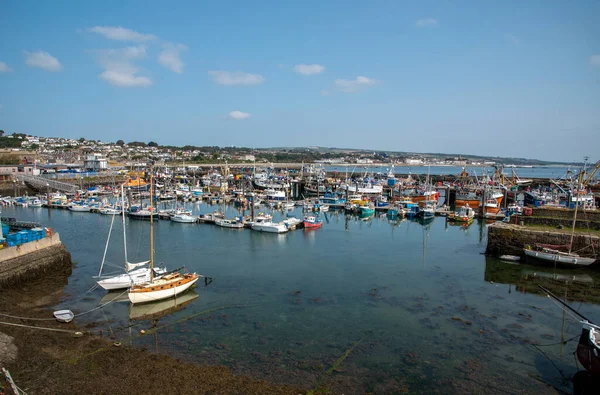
(409, 302)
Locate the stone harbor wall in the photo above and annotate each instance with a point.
(508, 239)
(33, 259)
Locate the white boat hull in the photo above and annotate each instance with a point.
(270, 228)
(567, 259)
(145, 297)
(80, 209)
(126, 280)
(184, 219)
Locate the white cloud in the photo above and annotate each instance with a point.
(4, 68)
(170, 57)
(309, 69)
(119, 69)
(354, 85)
(427, 22)
(121, 34)
(42, 60)
(514, 40)
(595, 60)
(236, 78)
(238, 115)
(324, 92)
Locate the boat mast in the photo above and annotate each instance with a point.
(151, 264)
(124, 232)
(579, 179)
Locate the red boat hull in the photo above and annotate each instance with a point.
(587, 353)
(312, 225)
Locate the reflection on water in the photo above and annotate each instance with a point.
(412, 306)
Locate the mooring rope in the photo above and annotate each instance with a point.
(76, 315)
(42, 328)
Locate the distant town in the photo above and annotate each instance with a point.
(53, 153)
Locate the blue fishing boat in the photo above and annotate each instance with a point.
(414, 211)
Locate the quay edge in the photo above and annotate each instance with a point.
(510, 239)
(30, 260)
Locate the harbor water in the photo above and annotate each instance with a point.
(360, 305)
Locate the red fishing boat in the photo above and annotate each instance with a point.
(312, 223)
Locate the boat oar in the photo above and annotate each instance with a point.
(564, 304)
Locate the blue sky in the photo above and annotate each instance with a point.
(492, 78)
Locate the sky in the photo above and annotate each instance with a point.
(509, 79)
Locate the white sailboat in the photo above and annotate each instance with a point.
(163, 286)
(134, 273)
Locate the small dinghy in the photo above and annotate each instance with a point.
(510, 258)
(64, 315)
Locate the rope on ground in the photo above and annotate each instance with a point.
(550, 360)
(52, 319)
(41, 327)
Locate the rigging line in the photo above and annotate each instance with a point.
(550, 360)
(568, 312)
(112, 221)
(102, 305)
(556, 344)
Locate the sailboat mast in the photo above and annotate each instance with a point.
(575, 214)
(124, 231)
(151, 229)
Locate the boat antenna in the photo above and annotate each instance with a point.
(564, 304)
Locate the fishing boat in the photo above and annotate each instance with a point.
(470, 199)
(291, 222)
(134, 272)
(80, 208)
(427, 212)
(311, 222)
(163, 286)
(35, 203)
(366, 210)
(184, 218)
(210, 218)
(463, 214)
(265, 224)
(235, 223)
(136, 183)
